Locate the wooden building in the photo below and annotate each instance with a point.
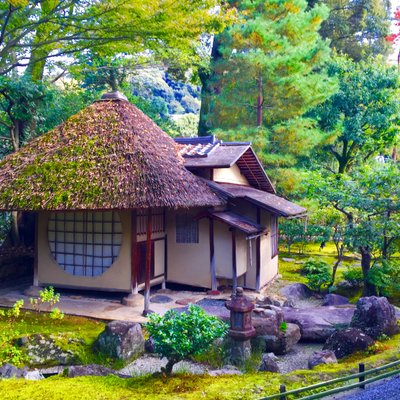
(120, 206)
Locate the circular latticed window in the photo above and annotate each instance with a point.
(85, 243)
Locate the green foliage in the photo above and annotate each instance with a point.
(265, 76)
(180, 335)
(385, 276)
(47, 299)
(283, 327)
(361, 119)
(354, 276)
(318, 272)
(357, 28)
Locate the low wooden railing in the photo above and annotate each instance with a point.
(284, 395)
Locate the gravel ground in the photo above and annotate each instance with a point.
(297, 358)
(386, 390)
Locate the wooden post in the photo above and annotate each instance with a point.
(234, 267)
(282, 390)
(148, 264)
(258, 254)
(212, 256)
(36, 259)
(361, 369)
(134, 258)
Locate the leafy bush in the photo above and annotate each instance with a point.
(354, 276)
(178, 336)
(318, 273)
(47, 299)
(385, 276)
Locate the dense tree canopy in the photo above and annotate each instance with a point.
(357, 28)
(362, 117)
(268, 72)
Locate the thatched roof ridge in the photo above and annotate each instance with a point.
(108, 156)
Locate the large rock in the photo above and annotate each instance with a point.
(10, 371)
(281, 343)
(348, 341)
(321, 357)
(267, 321)
(43, 350)
(91, 370)
(375, 316)
(269, 363)
(296, 291)
(318, 323)
(332, 299)
(121, 339)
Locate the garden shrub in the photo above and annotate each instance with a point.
(354, 276)
(318, 272)
(385, 276)
(180, 335)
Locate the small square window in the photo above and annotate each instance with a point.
(187, 228)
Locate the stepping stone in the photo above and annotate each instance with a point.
(185, 302)
(161, 299)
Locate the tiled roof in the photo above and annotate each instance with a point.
(270, 202)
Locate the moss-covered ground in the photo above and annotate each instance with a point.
(247, 386)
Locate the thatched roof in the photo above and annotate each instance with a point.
(108, 156)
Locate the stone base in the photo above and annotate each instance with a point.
(239, 351)
(33, 291)
(133, 300)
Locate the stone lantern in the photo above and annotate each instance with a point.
(241, 329)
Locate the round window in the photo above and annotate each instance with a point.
(85, 243)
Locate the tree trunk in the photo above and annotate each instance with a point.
(260, 101)
(170, 364)
(339, 250)
(369, 289)
(205, 76)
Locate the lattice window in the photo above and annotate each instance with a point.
(157, 221)
(274, 236)
(85, 243)
(187, 228)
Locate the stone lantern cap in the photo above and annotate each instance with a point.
(239, 303)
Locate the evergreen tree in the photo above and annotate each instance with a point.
(267, 72)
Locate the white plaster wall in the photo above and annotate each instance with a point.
(117, 277)
(230, 175)
(269, 266)
(188, 263)
(223, 251)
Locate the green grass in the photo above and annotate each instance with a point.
(190, 387)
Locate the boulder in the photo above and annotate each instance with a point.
(267, 301)
(321, 357)
(33, 376)
(348, 341)
(267, 321)
(10, 371)
(91, 370)
(42, 349)
(122, 340)
(332, 299)
(318, 323)
(149, 345)
(269, 363)
(296, 291)
(375, 316)
(280, 343)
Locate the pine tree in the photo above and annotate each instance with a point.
(268, 73)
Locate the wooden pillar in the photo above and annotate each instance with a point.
(234, 266)
(258, 253)
(212, 256)
(148, 264)
(134, 257)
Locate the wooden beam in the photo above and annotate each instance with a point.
(148, 265)
(212, 256)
